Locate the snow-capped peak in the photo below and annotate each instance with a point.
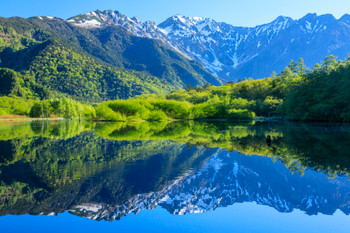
(225, 49)
(100, 18)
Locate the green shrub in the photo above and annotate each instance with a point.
(3, 112)
(16, 106)
(181, 95)
(104, 113)
(157, 115)
(239, 103)
(36, 110)
(199, 98)
(63, 108)
(173, 109)
(150, 109)
(132, 109)
(88, 111)
(240, 114)
(204, 111)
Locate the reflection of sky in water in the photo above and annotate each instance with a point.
(181, 177)
(246, 217)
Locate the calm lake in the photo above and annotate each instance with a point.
(71, 176)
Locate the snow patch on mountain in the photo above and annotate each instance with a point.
(226, 50)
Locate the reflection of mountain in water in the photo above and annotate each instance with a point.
(106, 171)
(230, 178)
(41, 175)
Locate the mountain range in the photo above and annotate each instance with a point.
(232, 52)
(103, 55)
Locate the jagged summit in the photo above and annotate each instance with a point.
(189, 21)
(102, 18)
(345, 18)
(232, 52)
(235, 52)
(134, 25)
(314, 16)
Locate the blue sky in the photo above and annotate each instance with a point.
(236, 12)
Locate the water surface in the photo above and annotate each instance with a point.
(174, 176)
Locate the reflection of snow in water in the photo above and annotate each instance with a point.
(234, 178)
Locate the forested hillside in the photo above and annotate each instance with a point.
(91, 66)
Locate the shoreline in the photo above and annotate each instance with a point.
(26, 118)
(20, 118)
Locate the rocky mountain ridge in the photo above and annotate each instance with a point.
(232, 52)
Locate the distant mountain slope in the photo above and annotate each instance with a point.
(93, 65)
(51, 69)
(130, 43)
(232, 52)
(143, 54)
(238, 52)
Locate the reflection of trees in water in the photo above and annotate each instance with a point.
(50, 166)
(298, 145)
(42, 165)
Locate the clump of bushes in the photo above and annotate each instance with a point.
(240, 114)
(62, 108)
(173, 109)
(158, 110)
(131, 109)
(136, 109)
(206, 111)
(103, 112)
(15, 106)
(157, 115)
